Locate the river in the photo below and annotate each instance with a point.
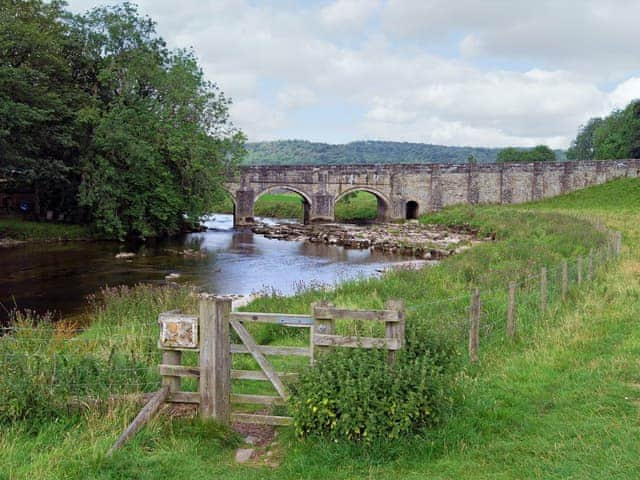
(57, 277)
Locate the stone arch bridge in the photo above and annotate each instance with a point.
(405, 191)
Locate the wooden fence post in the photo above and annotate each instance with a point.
(474, 330)
(321, 326)
(618, 243)
(543, 289)
(395, 329)
(590, 269)
(215, 359)
(580, 268)
(565, 279)
(511, 312)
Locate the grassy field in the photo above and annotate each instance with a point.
(357, 207)
(561, 402)
(18, 229)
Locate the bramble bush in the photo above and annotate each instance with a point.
(355, 394)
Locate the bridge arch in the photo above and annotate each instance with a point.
(412, 210)
(221, 203)
(306, 198)
(384, 204)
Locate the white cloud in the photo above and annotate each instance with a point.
(624, 93)
(258, 120)
(487, 73)
(590, 36)
(296, 96)
(341, 14)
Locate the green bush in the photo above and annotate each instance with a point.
(355, 394)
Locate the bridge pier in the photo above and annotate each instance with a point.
(243, 214)
(322, 209)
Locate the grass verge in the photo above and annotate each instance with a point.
(25, 230)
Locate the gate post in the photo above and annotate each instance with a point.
(321, 325)
(215, 359)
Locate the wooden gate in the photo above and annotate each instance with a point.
(209, 334)
(266, 372)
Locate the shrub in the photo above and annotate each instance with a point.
(355, 394)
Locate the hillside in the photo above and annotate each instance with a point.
(301, 152)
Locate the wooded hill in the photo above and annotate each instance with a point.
(300, 152)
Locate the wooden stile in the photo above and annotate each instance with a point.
(178, 371)
(171, 358)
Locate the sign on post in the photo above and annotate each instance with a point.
(178, 331)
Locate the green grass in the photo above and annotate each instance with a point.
(358, 207)
(18, 229)
(560, 402)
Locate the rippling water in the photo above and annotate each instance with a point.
(58, 277)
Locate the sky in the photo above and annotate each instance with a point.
(488, 73)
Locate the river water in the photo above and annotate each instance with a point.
(57, 277)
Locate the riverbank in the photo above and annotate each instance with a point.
(542, 406)
(15, 231)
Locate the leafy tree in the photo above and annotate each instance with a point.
(618, 135)
(39, 97)
(162, 142)
(99, 119)
(541, 153)
(583, 148)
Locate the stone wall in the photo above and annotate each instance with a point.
(432, 186)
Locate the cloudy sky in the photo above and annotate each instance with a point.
(453, 72)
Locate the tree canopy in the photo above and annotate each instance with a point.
(300, 152)
(106, 124)
(613, 137)
(541, 153)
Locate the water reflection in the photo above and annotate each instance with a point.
(59, 276)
